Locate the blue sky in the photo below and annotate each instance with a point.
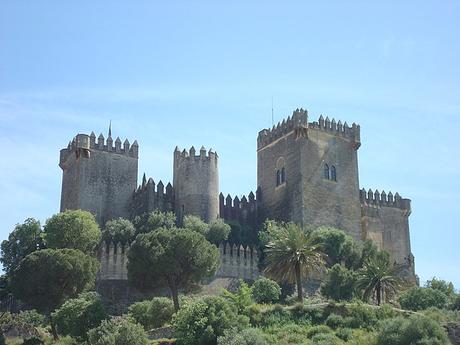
(204, 73)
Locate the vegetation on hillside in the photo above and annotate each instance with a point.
(362, 299)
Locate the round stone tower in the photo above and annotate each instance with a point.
(196, 184)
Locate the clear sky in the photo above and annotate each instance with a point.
(203, 73)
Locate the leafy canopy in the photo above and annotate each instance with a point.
(152, 313)
(152, 221)
(419, 298)
(78, 315)
(378, 278)
(119, 231)
(23, 240)
(201, 322)
(265, 290)
(117, 331)
(175, 258)
(292, 254)
(46, 278)
(72, 229)
(339, 283)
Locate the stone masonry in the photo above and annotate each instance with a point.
(307, 172)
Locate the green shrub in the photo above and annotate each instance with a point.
(287, 334)
(265, 290)
(418, 298)
(344, 333)
(325, 339)
(360, 315)
(416, 329)
(334, 321)
(154, 313)
(339, 284)
(456, 303)
(31, 317)
(320, 329)
(64, 341)
(78, 315)
(202, 321)
(242, 298)
(249, 336)
(117, 331)
(33, 341)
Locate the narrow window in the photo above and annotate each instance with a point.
(333, 173)
(278, 178)
(326, 171)
(283, 175)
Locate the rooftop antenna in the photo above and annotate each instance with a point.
(110, 128)
(273, 119)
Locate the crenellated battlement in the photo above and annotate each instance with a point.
(337, 128)
(150, 196)
(238, 209)
(84, 144)
(114, 260)
(192, 154)
(299, 120)
(375, 199)
(238, 261)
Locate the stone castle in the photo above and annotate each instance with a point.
(307, 172)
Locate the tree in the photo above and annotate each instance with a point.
(117, 331)
(418, 298)
(218, 232)
(195, 223)
(152, 313)
(174, 258)
(242, 298)
(152, 221)
(265, 290)
(78, 315)
(72, 229)
(291, 254)
(445, 287)
(119, 231)
(46, 278)
(338, 246)
(23, 240)
(202, 321)
(378, 277)
(339, 284)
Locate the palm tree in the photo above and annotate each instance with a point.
(378, 278)
(292, 254)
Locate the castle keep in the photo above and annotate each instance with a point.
(307, 172)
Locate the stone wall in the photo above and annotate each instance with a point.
(99, 177)
(196, 184)
(237, 261)
(385, 220)
(147, 198)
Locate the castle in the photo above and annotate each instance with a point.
(307, 172)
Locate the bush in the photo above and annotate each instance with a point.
(325, 339)
(334, 321)
(249, 336)
(32, 317)
(202, 321)
(33, 341)
(77, 316)
(154, 313)
(315, 330)
(339, 284)
(360, 315)
(416, 329)
(117, 331)
(344, 333)
(418, 298)
(266, 290)
(218, 231)
(118, 230)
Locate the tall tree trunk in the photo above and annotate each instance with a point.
(53, 328)
(379, 292)
(175, 296)
(299, 282)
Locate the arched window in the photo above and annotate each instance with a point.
(333, 173)
(326, 171)
(278, 178)
(283, 175)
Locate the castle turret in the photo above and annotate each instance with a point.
(196, 183)
(98, 177)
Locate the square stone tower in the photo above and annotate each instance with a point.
(99, 177)
(308, 173)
